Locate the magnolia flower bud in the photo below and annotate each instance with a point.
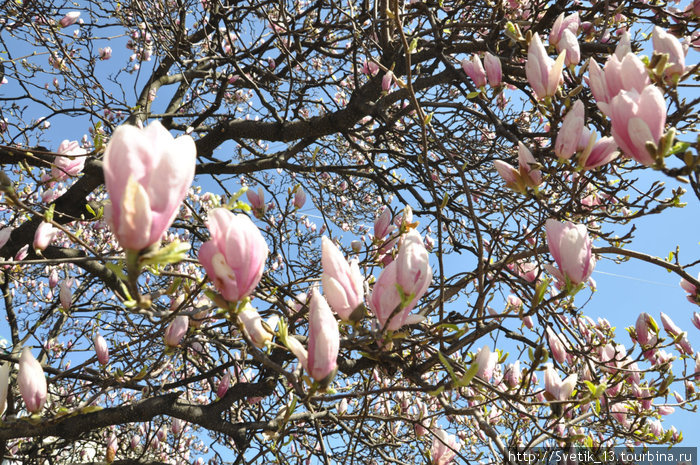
(101, 349)
(31, 382)
(324, 339)
(176, 331)
(136, 163)
(43, 236)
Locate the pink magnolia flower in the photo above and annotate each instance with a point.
(388, 81)
(253, 326)
(343, 283)
(4, 386)
(65, 293)
(556, 346)
(257, 202)
(5, 236)
(693, 294)
(444, 448)
(101, 349)
(324, 339)
(525, 176)
(147, 175)
(383, 225)
(665, 43)
(176, 330)
(561, 24)
(543, 73)
(600, 153)
(570, 246)
(299, 198)
(671, 328)
(638, 118)
(43, 236)
(65, 166)
(486, 361)
(31, 381)
(570, 132)
(618, 74)
(513, 374)
(644, 329)
(410, 272)
(569, 45)
(494, 72)
(695, 319)
(370, 68)
(553, 384)
(475, 70)
(69, 19)
(105, 53)
(223, 386)
(235, 256)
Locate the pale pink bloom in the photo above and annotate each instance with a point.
(543, 73)
(570, 246)
(235, 256)
(101, 349)
(253, 326)
(665, 43)
(4, 386)
(65, 166)
(643, 328)
(444, 448)
(53, 279)
(602, 152)
(299, 198)
(324, 339)
(382, 225)
(637, 119)
(696, 319)
(343, 283)
(69, 19)
(693, 295)
(671, 328)
(494, 72)
(412, 273)
(388, 81)
(475, 70)
(515, 302)
(556, 346)
(176, 426)
(112, 446)
(486, 361)
(697, 366)
(513, 375)
(43, 236)
(176, 331)
(570, 132)
(370, 68)
(627, 73)
(147, 175)
(5, 236)
(619, 412)
(223, 386)
(257, 202)
(561, 24)
(553, 384)
(22, 253)
(105, 53)
(569, 45)
(65, 293)
(31, 382)
(523, 177)
(527, 321)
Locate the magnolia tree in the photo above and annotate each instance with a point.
(338, 232)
